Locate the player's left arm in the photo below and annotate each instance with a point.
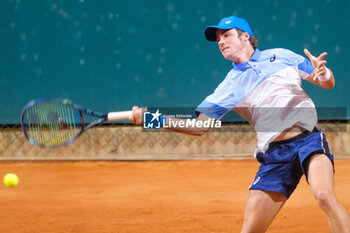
(198, 130)
(321, 76)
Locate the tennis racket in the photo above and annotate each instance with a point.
(54, 122)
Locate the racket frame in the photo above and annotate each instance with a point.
(101, 118)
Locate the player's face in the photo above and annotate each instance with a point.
(230, 44)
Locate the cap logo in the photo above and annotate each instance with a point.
(227, 22)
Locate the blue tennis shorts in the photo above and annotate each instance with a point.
(284, 162)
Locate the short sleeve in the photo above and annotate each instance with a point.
(221, 101)
(211, 109)
(305, 68)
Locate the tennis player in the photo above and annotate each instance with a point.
(264, 87)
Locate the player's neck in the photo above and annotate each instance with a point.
(245, 55)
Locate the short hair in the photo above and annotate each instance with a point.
(252, 39)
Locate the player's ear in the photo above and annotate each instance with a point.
(245, 36)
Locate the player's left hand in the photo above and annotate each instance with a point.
(318, 63)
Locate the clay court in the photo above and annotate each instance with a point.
(148, 196)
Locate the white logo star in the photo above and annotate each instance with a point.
(156, 115)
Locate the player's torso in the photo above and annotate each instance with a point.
(268, 89)
(270, 97)
(260, 82)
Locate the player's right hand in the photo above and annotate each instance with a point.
(137, 115)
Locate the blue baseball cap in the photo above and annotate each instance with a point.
(227, 23)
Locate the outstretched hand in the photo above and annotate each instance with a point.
(137, 115)
(318, 63)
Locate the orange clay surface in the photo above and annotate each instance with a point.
(167, 196)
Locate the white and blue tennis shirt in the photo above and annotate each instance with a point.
(266, 91)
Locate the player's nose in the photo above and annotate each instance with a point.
(220, 42)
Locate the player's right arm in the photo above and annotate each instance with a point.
(137, 118)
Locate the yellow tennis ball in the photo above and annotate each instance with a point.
(11, 180)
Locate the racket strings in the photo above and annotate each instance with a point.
(51, 123)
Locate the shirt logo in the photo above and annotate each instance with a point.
(273, 58)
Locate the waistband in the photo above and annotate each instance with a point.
(299, 136)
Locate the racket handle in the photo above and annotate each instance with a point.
(119, 116)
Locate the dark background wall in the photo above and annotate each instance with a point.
(113, 54)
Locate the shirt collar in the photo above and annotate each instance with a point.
(243, 66)
(255, 55)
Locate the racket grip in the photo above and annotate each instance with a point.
(119, 116)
